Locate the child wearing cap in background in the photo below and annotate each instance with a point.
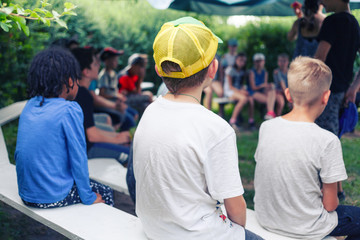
(185, 156)
(298, 164)
(259, 89)
(108, 82)
(130, 79)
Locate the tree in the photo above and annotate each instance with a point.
(15, 14)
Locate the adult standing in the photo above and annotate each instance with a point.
(306, 29)
(339, 40)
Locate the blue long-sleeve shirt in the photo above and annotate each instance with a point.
(51, 152)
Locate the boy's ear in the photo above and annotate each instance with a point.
(213, 68)
(325, 97)
(287, 95)
(157, 71)
(71, 82)
(85, 72)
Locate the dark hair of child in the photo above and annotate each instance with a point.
(84, 56)
(50, 70)
(140, 61)
(241, 54)
(176, 84)
(310, 9)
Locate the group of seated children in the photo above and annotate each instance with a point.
(249, 86)
(185, 156)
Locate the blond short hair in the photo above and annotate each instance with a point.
(308, 79)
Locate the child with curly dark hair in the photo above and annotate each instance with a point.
(51, 160)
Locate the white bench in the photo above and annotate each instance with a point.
(98, 221)
(110, 172)
(222, 102)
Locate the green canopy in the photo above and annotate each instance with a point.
(235, 7)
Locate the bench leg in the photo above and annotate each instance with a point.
(221, 110)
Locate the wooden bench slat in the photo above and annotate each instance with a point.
(110, 172)
(11, 112)
(98, 221)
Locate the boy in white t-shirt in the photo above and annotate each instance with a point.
(185, 156)
(298, 164)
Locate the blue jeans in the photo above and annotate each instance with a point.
(329, 119)
(130, 177)
(109, 150)
(251, 236)
(129, 120)
(348, 222)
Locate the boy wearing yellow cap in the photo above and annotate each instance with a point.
(185, 156)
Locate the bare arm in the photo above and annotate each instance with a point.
(231, 86)
(95, 134)
(330, 199)
(292, 34)
(252, 81)
(283, 86)
(103, 93)
(322, 50)
(236, 209)
(266, 78)
(277, 78)
(100, 101)
(350, 95)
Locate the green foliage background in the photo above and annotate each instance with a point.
(130, 25)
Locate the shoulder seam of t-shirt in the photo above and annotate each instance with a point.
(222, 139)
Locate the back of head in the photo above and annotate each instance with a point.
(50, 70)
(110, 52)
(283, 55)
(308, 79)
(137, 59)
(183, 50)
(311, 7)
(84, 56)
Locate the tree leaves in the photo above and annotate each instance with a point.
(16, 14)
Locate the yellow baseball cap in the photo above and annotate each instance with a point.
(187, 42)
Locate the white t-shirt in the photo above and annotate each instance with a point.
(292, 159)
(237, 80)
(185, 160)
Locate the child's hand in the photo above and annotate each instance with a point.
(123, 137)
(98, 199)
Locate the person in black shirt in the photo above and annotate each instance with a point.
(100, 143)
(339, 40)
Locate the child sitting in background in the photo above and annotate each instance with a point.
(234, 79)
(280, 80)
(130, 79)
(51, 160)
(298, 164)
(108, 82)
(100, 143)
(259, 88)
